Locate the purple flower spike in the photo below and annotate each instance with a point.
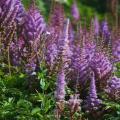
(113, 88)
(34, 26)
(92, 102)
(51, 55)
(56, 18)
(105, 33)
(101, 65)
(16, 51)
(20, 14)
(11, 11)
(116, 50)
(75, 11)
(64, 45)
(60, 86)
(96, 26)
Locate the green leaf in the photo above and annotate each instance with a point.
(35, 110)
(42, 83)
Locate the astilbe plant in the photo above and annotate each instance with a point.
(12, 16)
(21, 33)
(64, 54)
(33, 28)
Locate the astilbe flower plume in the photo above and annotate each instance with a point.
(60, 93)
(113, 88)
(34, 25)
(116, 50)
(64, 51)
(10, 11)
(33, 28)
(80, 61)
(92, 102)
(56, 18)
(101, 65)
(16, 51)
(60, 86)
(75, 11)
(20, 14)
(96, 26)
(51, 55)
(105, 32)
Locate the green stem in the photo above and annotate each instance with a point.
(9, 65)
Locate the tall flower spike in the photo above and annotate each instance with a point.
(101, 66)
(56, 18)
(38, 22)
(116, 50)
(75, 11)
(116, 46)
(96, 26)
(33, 27)
(60, 86)
(64, 48)
(20, 14)
(105, 32)
(80, 64)
(34, 24)
(92, 102)
(16, 51)
(10, 11)
(51, 55)
(113, 88)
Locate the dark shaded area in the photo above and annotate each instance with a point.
(99, 5)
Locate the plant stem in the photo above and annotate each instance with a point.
(9, 65)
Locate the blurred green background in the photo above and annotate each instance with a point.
(87, 8)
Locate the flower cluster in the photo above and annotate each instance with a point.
(113, 88)
(21, 32)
